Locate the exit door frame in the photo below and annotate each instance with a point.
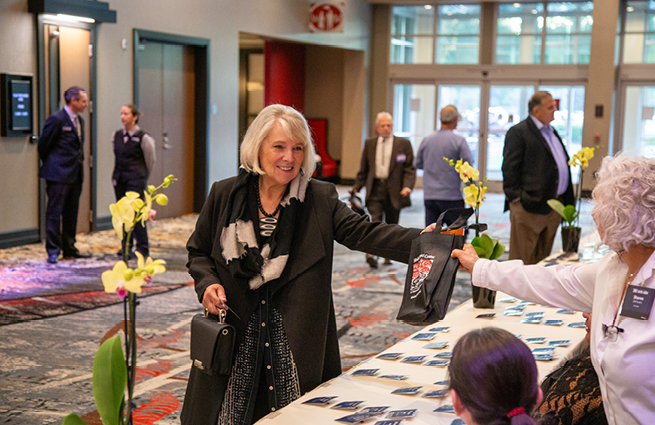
(201, 70)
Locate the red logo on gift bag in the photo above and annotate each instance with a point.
(420, 270)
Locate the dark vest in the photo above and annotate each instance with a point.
(130, 162)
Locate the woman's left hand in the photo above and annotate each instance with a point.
(430, 228)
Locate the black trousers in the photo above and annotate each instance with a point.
(140, 233)
(379, 204)
(61, 216)
(434, 208)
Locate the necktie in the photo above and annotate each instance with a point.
(77, 127)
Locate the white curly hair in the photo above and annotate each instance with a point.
(625, 201)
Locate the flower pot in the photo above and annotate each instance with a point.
(570, 239)
(483, 297)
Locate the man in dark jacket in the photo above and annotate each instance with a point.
(61, 148)
(387, 171)
(535, 169)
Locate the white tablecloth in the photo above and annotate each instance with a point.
(375, 391)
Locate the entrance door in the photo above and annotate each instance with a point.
(166, 101)
(639, 121)
(69, 65)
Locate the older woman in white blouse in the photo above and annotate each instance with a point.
(622, 335)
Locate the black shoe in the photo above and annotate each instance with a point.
(53, 258)
(76, 254)
(387, 262)
(372, 262)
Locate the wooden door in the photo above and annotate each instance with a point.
(166, 101)
(75, 70)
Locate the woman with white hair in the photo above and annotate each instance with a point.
(618, 290)
(263, 245)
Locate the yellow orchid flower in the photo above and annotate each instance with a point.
(582, 158)
(123, 213)
(121, 279)
(466, 172)
(146, 211)
(146, 268)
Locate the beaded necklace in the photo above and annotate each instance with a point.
(259, 203)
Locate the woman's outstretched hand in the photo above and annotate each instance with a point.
(467, 257)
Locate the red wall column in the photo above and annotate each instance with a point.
(284, 74)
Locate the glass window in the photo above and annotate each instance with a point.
(639, 121)
(565, 39)
(639, 38)
(458, 34)
(412, 34)
(413, 111)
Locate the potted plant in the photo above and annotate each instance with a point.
(112, 371)
(484, 245)
(571, 213)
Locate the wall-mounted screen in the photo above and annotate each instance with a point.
(17, 105)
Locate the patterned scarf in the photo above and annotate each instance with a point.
(245, 260)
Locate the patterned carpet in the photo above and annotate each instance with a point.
(53, 318)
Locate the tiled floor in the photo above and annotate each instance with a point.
(53, 317)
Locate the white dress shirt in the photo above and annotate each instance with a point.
(625, 366)
(383, 157)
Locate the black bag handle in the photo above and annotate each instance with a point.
(464, 214)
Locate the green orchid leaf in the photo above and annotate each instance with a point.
(499, 249)
(483, 245)
(73, 419)
(557, 206)
(568, 213)
(109, 380)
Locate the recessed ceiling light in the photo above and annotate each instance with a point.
(427, 7)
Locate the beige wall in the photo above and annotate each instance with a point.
(19, 196)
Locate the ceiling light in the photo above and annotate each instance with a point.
(427, 7)
(71, 18)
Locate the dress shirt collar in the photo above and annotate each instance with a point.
(133, 131)
(538, 123)
(71, 114)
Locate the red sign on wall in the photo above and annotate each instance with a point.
(326, 17)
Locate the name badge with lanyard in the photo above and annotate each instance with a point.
(637, 304)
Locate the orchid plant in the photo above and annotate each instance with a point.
(571, 213)
(112, 371)
(474, 195)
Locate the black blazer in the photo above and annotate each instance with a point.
(529, 169)
(402, 172)
(303, 293)
(60, 149)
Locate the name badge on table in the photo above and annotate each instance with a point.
(401, 157)
(66, 128)
(638, 302)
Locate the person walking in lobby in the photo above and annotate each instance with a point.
(134, 152)
(535, 169)
(387, 171)
(442, 186)
(61, 149)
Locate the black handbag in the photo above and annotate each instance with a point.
(431, 272)
(212, 344)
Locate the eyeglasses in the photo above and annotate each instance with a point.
(612, 332)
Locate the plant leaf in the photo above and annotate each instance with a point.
(570, 214)
(73, 419)
(499, 249)
(483, 245)
(557, 206)
(109, 380)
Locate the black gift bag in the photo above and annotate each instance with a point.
(431, 272)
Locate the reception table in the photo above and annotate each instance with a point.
(376, 390)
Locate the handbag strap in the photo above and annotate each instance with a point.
(464, 214)
(221, 315)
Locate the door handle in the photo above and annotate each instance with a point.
(166, 145)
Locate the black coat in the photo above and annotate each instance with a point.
(60, 149)
(303, 293)
(529, 169)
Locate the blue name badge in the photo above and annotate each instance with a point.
(638, 302)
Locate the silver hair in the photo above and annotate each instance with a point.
(381, 115)
(294, 125)
(625, 201)
(448, 114)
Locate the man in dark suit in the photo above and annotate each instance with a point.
(61, 148)
(535, 169)
(387, 171)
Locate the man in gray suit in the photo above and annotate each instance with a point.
(387, 171)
